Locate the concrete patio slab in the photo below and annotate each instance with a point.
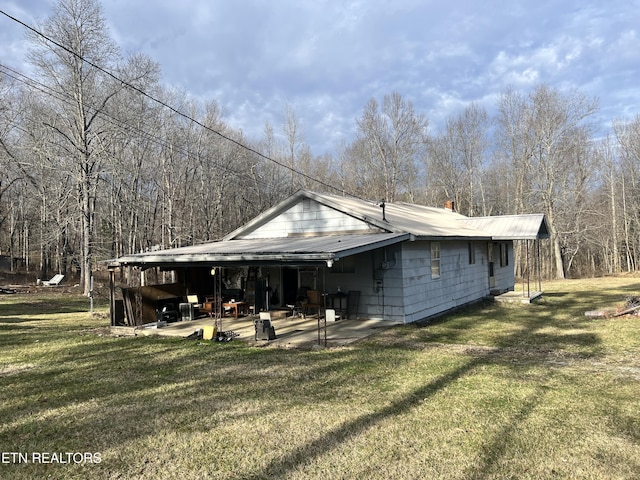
(291, 332)
(517, 297)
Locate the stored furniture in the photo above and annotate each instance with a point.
(54, 282)
(237, 307)
(312, 303)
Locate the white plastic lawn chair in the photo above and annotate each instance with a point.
(54, 282)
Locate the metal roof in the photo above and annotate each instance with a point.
(427, 223)
(289, 250)
(397, 222)
(512, 227)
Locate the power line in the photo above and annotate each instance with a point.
(68, 99)
(166, 105)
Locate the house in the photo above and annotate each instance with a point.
(397, 261)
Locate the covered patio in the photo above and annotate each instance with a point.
(267, 274)
(529, 230)
(291, 331)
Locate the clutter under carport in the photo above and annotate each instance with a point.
(263, 328)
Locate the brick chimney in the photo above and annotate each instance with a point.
(449, 205)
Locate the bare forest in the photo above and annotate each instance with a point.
(98, 159)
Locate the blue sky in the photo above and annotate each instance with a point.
(327, 58)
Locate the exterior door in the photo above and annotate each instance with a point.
(289, 285)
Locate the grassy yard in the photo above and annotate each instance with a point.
(490, 392)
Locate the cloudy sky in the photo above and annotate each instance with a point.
(327, 58)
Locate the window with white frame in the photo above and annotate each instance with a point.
(435, 259)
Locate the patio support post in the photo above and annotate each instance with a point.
(538, 266)
(323, 308)
(112, 297)
(528, 273)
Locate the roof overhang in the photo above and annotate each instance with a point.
(512, 227)
(321, 250)
(454, 238)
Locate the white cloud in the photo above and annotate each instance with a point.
(328, 57)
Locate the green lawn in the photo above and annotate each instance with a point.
(491, 392)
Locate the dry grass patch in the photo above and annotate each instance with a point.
(488, 392)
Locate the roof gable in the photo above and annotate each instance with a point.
(307, 217)
(352, 215)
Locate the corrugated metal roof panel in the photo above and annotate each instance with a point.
(512, 227)
(402, 221)
(286, 249)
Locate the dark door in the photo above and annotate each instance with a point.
(289, 285)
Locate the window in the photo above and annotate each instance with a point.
(435, 259)
(504, 254)
(472, 253)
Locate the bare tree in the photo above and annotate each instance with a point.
(472, 126)
(560, 133)
(12, 183)
(7, 126)
(71, 56)
(80, 33)
(133, 124)
(628, 136)
(293, 134)
(542, 145)
(609, 232)
(456, 160)
(391, 141)
(514, 147)
(444, 169)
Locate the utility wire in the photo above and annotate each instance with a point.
(165, 105)
(68, 99)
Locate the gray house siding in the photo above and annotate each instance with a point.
(504, 271)
(397, 285)
(459, 282)
(309, 218)
(380, 286)
(403, 290)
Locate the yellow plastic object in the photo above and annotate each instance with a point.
(208, 332)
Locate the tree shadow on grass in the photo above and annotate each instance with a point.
(527, 338)
(278, 468)
(498, 448)
(143, 376)
(14, 320)
(281, 467)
